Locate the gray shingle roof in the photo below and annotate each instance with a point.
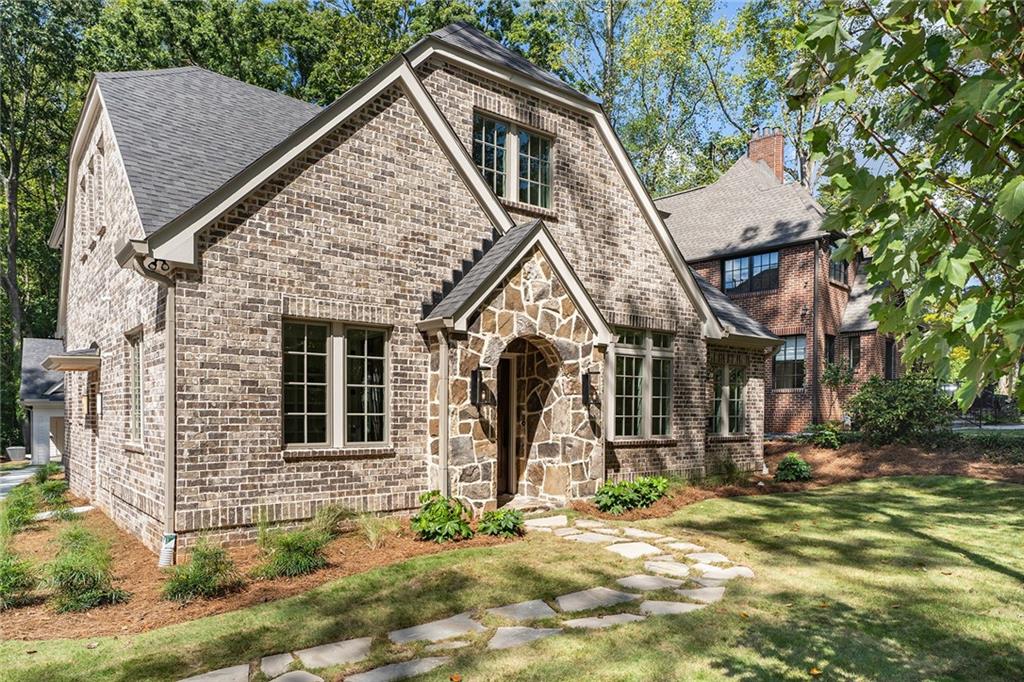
(38, 383)
(471, 39)
(185, 132)
(857, 316)
(507, 248)
(730, 314)
(746, 209)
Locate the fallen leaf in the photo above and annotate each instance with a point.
(823, 605)
(814, 672)
(456, 678)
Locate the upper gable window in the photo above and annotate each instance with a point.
(837, 270)
(746, 274)
(503, 151)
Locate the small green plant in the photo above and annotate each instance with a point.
(911, 408)
(377, 529)
(330, 519)
(81, 575)
(825, 435)
(291, 553)
(793, 468)
(209, 573)
(17, 579)
(618, 498)
(53, 492)
(441, 519)
(506, 523)
(64, 512)
(44, 472)
(19, 509)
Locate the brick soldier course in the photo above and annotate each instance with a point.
(206, 220)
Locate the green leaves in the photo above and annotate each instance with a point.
(1010, 201)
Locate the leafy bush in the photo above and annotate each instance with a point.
(53, 492)
(20, 507)
(17, 579)
(291, 553)
(506, 523)
(618, 498)
(441, 519)
(208, 573)
(911, 408)
(377, 529)
(793, 468)
(81, 574)
(44, 472)
(330, 518)
(826, 435)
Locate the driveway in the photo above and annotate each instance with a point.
(9, 480)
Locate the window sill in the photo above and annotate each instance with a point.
(523, 207)
(751, 294)
(642, 442)
(731, 438)
(134, 447)
(788, 390)
(331, 453)
(840, 285)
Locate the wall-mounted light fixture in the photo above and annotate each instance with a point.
(587, 389)
(475, 383)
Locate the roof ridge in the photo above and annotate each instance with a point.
(148, 73)
(681, 191)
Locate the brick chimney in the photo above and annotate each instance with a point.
(768, 145)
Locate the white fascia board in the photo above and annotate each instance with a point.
(542, 239)
(432, 47)
(175, 241)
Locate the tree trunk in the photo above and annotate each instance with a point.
(9, 275)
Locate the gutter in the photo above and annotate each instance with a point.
(815, 385)
(443, 359)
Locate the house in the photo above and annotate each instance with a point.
(42, 395)
(450, 278)
(760, 241)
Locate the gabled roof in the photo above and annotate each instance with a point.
(182, 133)
(732, 317)
(857, 315)
(747, 209)
(38, 383)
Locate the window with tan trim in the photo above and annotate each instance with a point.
(135, 371)
(643, 384)
(516, 163)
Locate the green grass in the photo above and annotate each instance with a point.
(896, 579)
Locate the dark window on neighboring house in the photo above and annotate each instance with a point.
(830, 349)
(759, 272)
(788, 367)
(837, 270)
(890, 359)
(853, 351)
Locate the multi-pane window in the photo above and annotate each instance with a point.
(736, 386)
(830, 349)
(789, 362)
(837, 270)
(725, 413)
(503, 150)
(759, 272)
(335, 384)
(853, 351)
(135, 388)
(643, 384)
(890, 359)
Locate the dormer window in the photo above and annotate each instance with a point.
(516, 163)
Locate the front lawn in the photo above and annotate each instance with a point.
(898, 578)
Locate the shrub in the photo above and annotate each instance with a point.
(911, 408)
(330, 518)
(17, 579)
(505, 523)
(52, 492)
(441, 519)
(208, 573)
(291, 553)
(793, 468)
(618, 498)
(377, 529)
(81, 574)
(826, 435)
(19, 509)
(44, 472)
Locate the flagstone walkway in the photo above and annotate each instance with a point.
(666, 572)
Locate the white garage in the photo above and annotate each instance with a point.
(42, 394)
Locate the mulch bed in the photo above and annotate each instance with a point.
(135, 569)
(852, 462)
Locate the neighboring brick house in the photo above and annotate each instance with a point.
(450, 278)
(760, 241)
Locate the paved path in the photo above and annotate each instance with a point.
(673, 568)
(9, 480)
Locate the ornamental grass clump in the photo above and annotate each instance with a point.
(793, 469)
(331, 519)
(19, 509)
(81, 574)
(377, 529)
(17, 578)
(44, 472)
(53, 492)
(208, 573)
(292, 553)
(642, 492)
(506, 523)
(441, 519)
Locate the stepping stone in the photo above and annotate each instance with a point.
(594, 598)
(668, 608)
(587, 523)
(336, 653)
(562, 532)
(275, 665)
(705, 595)
(633, 550)
(710, 572)
(591, 538)
(663, 557)
(446, 646)
(399, 671)
(709, 557)
(672, 568)
(707, 582)
(646, 583)
(525, 610)
(506, 638)
(236, 673)
(298, 676)
(685, 547)
(547, 522)
(642, 534)
(598, 622)
(446, 628)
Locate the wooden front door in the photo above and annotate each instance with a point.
(506, 425)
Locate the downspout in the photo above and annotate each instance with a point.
(443, 359)
(815, 387)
